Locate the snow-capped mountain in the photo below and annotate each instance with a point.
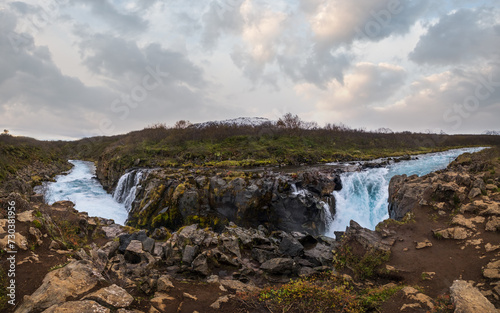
(240, 121)
(492, 132)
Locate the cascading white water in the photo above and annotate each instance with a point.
(81, 187)
(364, 194)
(126, 187)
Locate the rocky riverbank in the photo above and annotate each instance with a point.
(441, 253)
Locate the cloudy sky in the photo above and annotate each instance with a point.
(78, 68)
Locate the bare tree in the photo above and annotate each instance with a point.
(182, 124)
(289, 121)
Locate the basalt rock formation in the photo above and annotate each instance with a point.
(289, 202)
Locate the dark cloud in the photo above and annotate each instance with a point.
(220, 17)
(120, 59)
(461, 37)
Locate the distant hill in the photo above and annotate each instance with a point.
(239, 121)
(492, 132)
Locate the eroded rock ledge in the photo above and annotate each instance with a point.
(248, 199)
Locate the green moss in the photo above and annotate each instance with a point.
(408, 218)
(373, 298)
(206, 221)
(438, 235)
(37, 224)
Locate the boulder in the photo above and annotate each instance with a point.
(26, 216)
(85, 306)
(189, 254)
(134, 252)
(164, 283)
(492, 270)
(73, 280)
(148, 244)
(367, 238)
(200, 265)
(493, 223)
(474, 192)
(290, 246)
(37, 235)
(113, 295)
(469, 299)
(278, 266)
(110, 248)
(113, 231)
(238, 286)
(457, 233)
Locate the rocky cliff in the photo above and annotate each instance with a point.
(290, 202)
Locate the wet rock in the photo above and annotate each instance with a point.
(469, 299)
(113, 295)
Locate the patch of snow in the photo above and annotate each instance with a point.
(240, 121)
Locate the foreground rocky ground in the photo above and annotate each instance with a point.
(441, 253)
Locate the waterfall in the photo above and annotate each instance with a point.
(126, 187)
(364, 194)
(80, 186)
(363, 198)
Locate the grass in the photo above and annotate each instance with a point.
(325, 292)
(363, 266)
(58, 266)
(317, 294)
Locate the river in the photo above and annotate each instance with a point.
(363, 197)
(82, 188)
